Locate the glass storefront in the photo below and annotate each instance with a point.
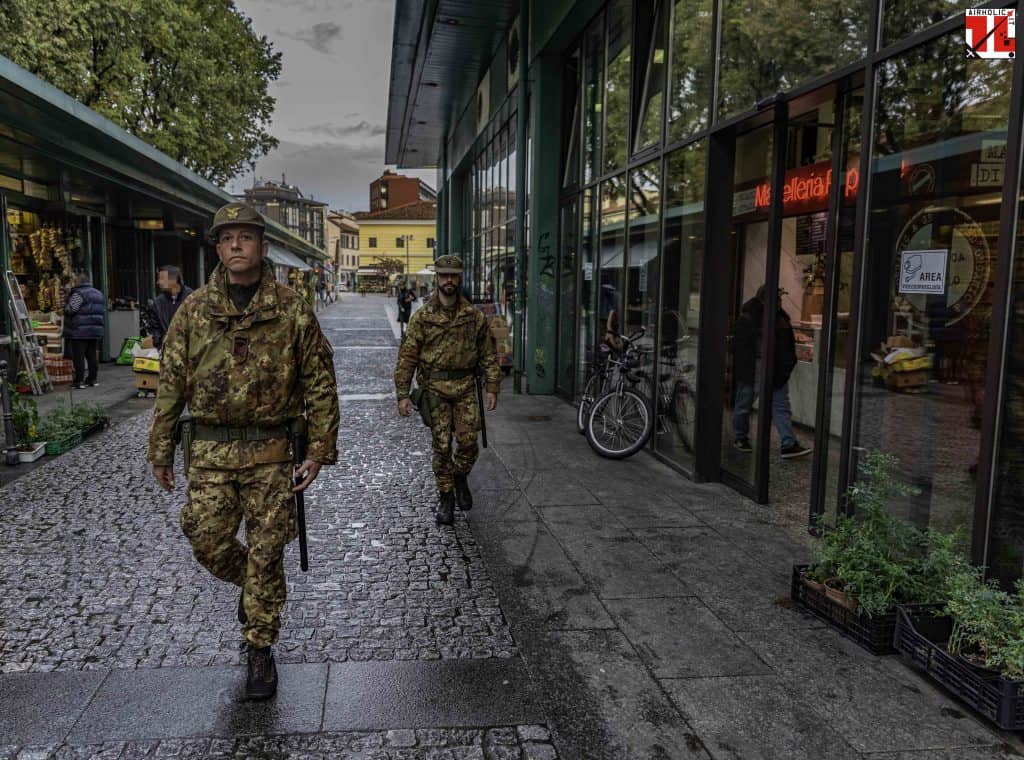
(678, 119)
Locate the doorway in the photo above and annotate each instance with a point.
(784, 296)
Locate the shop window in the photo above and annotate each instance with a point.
(513, 176)
(690, 76)
(372, 242)
(901, 18)
(644, 261)
(651, 99)
(585, 334)
(612, 254)
(616, 89)
(593, 99)
(770, 46)
(571, 116)
(939, 133)
(682, 263)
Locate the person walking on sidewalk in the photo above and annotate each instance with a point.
(173, 291)
(84, 313)
(746, 337)
(248, 357)
(447, 340)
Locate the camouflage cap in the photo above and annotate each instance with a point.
(236, 213)
(449, 264)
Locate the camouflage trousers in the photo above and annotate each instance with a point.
(460, 418)
(217, 502)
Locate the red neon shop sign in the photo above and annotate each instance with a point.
(806, 188)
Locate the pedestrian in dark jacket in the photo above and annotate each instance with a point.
(173, 291)
(746, 339)
(84, 316)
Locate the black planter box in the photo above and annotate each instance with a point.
(874, 634)
(93, 428)
(921, 638)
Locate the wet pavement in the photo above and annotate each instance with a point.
(583, 609)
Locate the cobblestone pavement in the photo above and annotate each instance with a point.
(96, 573)
(531, 742)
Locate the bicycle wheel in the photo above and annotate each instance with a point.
(682, 411)
(593, 389)
(620, 423)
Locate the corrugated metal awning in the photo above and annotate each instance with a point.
(282, 257)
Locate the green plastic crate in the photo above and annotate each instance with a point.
(55, 448)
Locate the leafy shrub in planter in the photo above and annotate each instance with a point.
(87, 413)
(988, 623)
(58, 424)
(881, 559)
(25, 413)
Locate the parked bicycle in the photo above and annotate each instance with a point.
(602, 375)
(620, 421)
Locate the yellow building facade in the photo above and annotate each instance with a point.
(406, 233)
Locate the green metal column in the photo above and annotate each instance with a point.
(101, 222)
(442, 245)
(5, 265)
(522, 185)
(152, 265)
(541, 302)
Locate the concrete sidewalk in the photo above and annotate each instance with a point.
(654, 615)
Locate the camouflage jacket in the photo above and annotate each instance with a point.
(261, 367)
(440, 339)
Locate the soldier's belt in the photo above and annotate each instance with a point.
(444, 374)
(223, 434)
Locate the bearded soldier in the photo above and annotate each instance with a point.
(248, 357)
(447, 340)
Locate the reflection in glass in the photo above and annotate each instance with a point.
(585, 337)
(649, 130)
(770, 46)
(644, 223)
(901, 18)
(593, 98)
(748, 262)
(612, 252)
(567, 296)
(930, 260)
(616, 98)
(682, 263)
(571, 149)
(690, 78)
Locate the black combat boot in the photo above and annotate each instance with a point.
(463, 496)
(445, 514)
(261, 682)
(242, 617)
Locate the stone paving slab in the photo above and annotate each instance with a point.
(411, 694)
(37, 708)
(167, 703)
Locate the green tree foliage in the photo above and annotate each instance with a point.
(189, 77)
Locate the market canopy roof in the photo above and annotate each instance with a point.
(279, 255)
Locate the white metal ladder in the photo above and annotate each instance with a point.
(32, 356)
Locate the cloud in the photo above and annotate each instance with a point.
(320, 36)
(343, 131)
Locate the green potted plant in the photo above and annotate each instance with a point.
(872, 560)
(25, 414)
(60, 430)
(973, 645)
(90, 417)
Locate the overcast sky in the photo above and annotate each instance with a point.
(332, 96)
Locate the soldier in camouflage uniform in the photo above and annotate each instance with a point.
(247, 356)
(445, 342)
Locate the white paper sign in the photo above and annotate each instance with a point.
(588, 271)
(923, 272)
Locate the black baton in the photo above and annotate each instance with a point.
(298, 435)
(480, 400)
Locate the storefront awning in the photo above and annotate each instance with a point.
(283, 258)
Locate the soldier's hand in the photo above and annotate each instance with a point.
(164, 475)
(405, 407)
(492, 401)
(306, 472)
